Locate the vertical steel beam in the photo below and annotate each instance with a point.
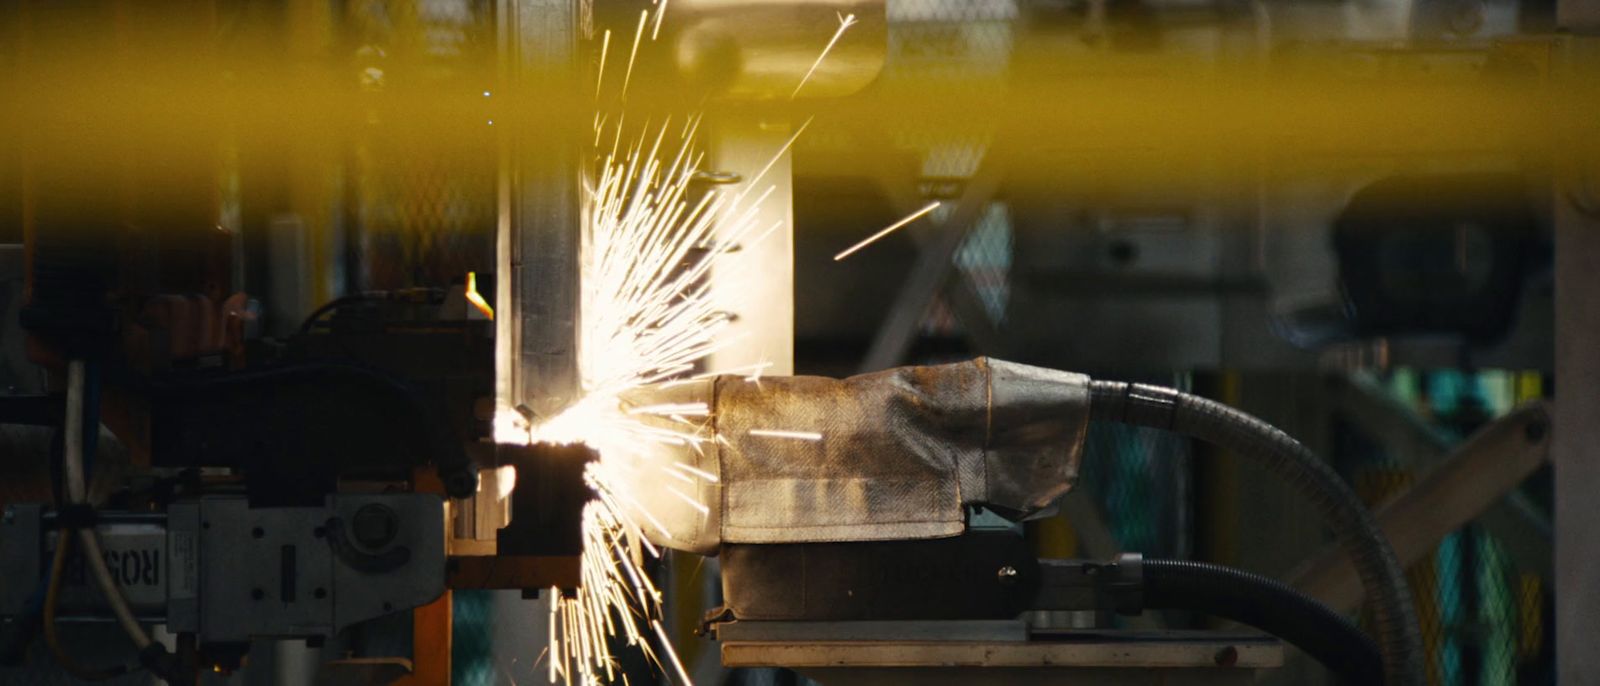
(1577, 443)
(756, 282)
(1576, 447)
(537, 290)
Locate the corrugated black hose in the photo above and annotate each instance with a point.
(1268, 605)
(1381, 575)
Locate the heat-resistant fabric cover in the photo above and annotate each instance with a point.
(891, 455)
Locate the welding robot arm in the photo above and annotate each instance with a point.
(900, 454)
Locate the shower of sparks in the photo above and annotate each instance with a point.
(845, 22)
(647, 316)
(779, 433)
(887, 230)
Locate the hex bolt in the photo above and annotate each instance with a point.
(374, 526)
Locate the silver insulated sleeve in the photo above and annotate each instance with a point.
(891, 455)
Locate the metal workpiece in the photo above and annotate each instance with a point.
(538, 232)
(893, 455)
(547, 500)
(764, 49)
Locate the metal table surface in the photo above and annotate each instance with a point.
(1077, 657)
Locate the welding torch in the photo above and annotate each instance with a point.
(902, 454)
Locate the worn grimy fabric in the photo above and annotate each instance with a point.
(892, 455)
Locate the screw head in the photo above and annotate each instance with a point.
(1007, 575)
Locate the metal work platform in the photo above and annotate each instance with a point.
(888, 653)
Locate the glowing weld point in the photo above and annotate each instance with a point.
(890, 229)
(845, 22)
(777, 433)
(474, 297)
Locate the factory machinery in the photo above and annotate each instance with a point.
(231, 486)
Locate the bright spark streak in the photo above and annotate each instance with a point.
(845, 22)
(666, 644)
(634, 54)
(888, 230)
(775, 157)
(600, 74)
(778, 433)
(708, 476)
(660, 12)
(697, 409)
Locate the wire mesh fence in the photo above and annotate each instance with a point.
(1484, 615)
(422, 215)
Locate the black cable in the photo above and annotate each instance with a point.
(1268, 605)
(1213, 422)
